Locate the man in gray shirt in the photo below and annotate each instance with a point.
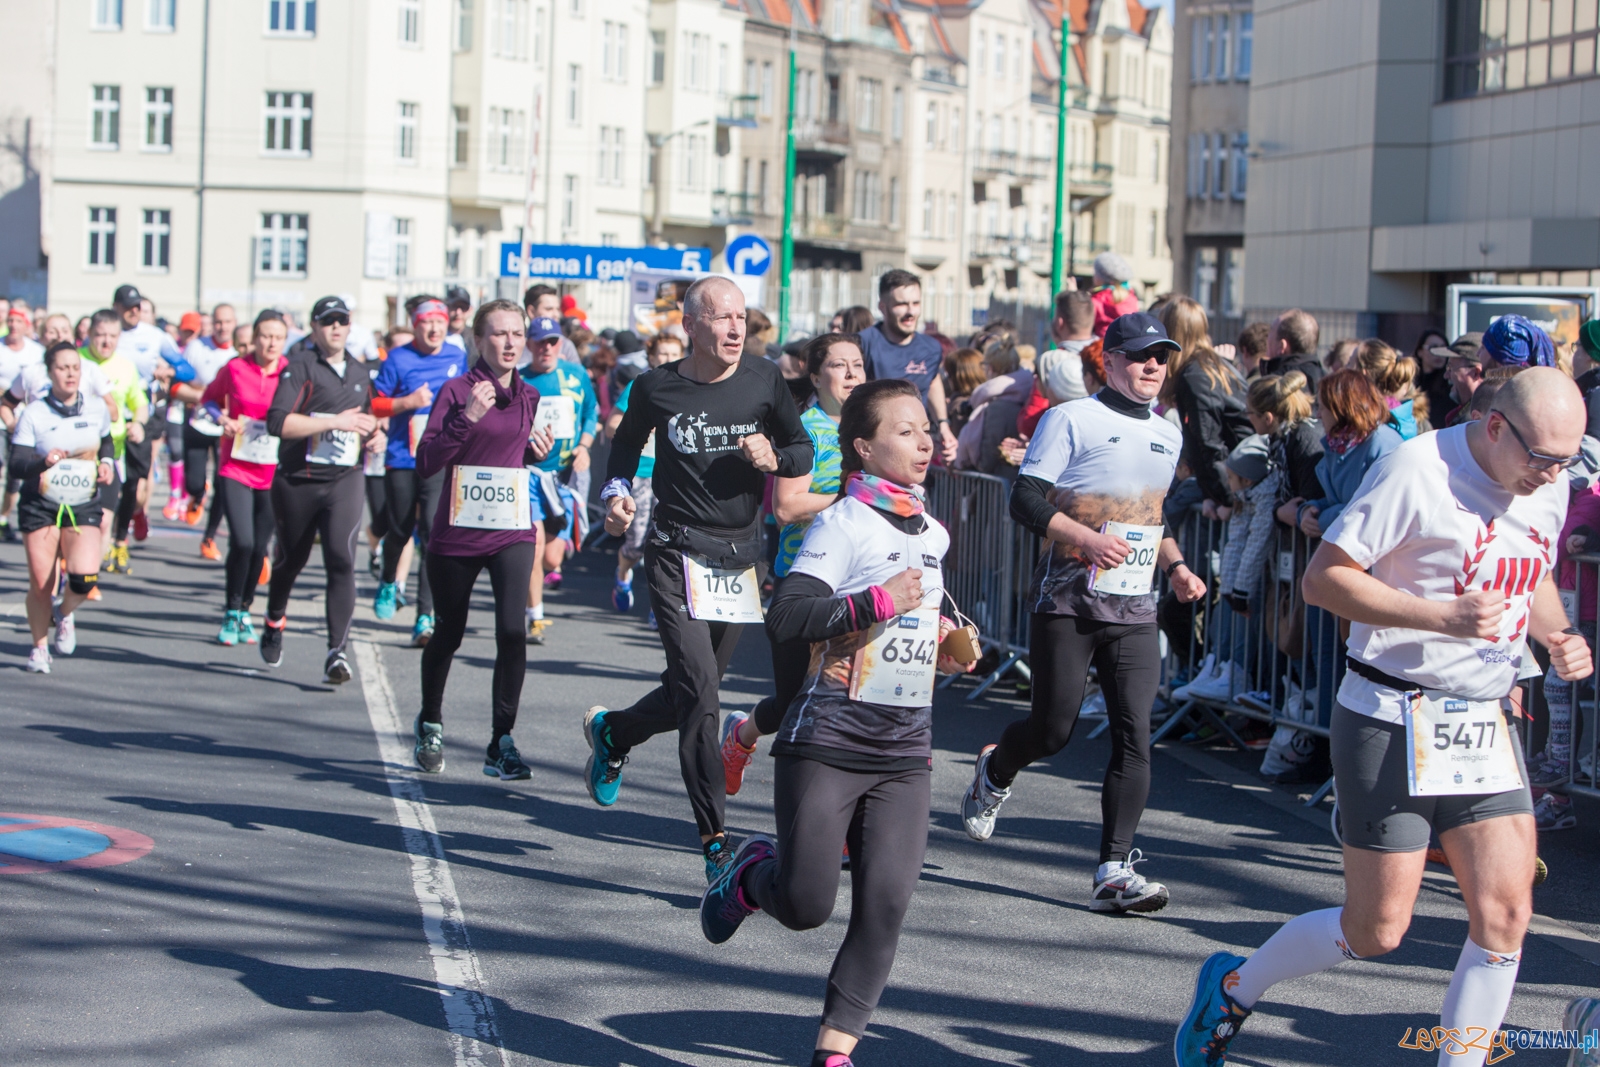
(1060, 369)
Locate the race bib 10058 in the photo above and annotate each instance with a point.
(1458, 747)
(719, 595)
(490, 498)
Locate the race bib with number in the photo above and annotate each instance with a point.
(1135, 575)
(415, 428)
(333, 448)
(490, 498)
(559, 415)
(898, 664)
(253, 444)
(719, 595)
(1458, 747)
(72, 482)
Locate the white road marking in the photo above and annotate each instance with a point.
(474, 1037)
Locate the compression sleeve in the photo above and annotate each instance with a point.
(806, 609)
(1030, 506)
(789, 438)
(25, 462)
(108, 448)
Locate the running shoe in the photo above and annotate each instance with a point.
(735, 757)
(141, 525)
(173, 509)
(1546, 774)
(552, 580)
(209, 549)
(429, 750)
(503, 762)
(120, 563)
(247, 629)
(723, 907)
(39, 660)
(194, 512)
(1554, 812)
(387, 602)
(536, 630)
(718, 857)
(1206, 668)
(981, 803)
(8, 533)
(622, 596)
(336, 671)
(422, 631)
(266, 571)
(66, 636)
(94, 593)
(229, 634)
(1214, 1017)
(1118, 887)
(602, 772)
(272, 643)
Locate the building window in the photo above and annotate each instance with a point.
(105, 15)
(1233, 283)
(102, 238)
(609, 171)
(693, 175)
(722, 70)
(769, 93)
(503, 138)
(460, 136)
(574, 94)
(614, 56)
(405, 133)
(402, 247)
(155, 239)
(928, 214)
(868, 93)
(1205, 279)
(805, 97)
(463, 42)
(1125, 238)
(658, 57)
(161, 16)
(867, 203)
(411, 22)
(833, 98)
(105, 117)
(931, 134)
(508, 30)
(297, 18)
(1200, 50)
(1241, 165)
(762, 190)
(897, 114)
(157, 119)
(569, 203)
(281, 245)
(1153, 242)
(894, 202)
(999, 56)
(697, 58)
(1496, 46)
(955, 128)
(1222, 40)
(980, 57)
(288, 124)
(1129, 164)
(1241, 52)
(1219, 158)
(1155, 159)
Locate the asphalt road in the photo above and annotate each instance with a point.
(304, 901)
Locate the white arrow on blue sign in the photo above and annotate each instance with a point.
(748, 254)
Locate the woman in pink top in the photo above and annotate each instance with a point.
(238, 398)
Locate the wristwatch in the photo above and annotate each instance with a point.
(1174, 565)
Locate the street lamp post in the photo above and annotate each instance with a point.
(1059, 269)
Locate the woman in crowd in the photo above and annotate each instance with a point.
(1395, 378)
(853, 770)
(1340, 354)
(237, 400)
(1356, 434)
(836, 368)
(850, 320)
(965, 371)
(994, 408)
(1209, 397)
(1432, 353)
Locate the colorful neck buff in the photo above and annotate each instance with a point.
(880, 493)
(1340, 442)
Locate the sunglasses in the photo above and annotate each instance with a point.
(1160, 355)
(334, 320)
(1538, 460)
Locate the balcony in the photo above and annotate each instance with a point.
(741, 112)
(813, 137)
(1027, 251)
(939, 73)
(999, 163)
(734, 209)
(820, 227)
(1090, 179)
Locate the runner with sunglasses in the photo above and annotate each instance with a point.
(1092, 485)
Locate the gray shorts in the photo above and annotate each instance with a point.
(1376, 809)
(643, 506)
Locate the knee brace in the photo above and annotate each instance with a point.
(82, 583)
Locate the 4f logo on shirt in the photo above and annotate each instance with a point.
(894, 557)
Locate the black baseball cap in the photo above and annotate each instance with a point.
(456, 297)
(329, 306)
(627, 341)
(126, 296)
(1469, 346)
(1135, 332)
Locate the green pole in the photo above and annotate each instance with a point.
(1059, 268)
(786, 257)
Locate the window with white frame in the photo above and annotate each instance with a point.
(569, 203)
(697, 60)
(952, 207)
(292, 18)
(769, 91)
(614, 52)
(1241, 165)
(460, 136)
(609, 171)
(411, 22)
(996, 133)
(999, 56)
(955, 128)
(1233, 283)
(692, 174)
(1219, 159)
(574, 94)
(105, 117)
(1241, 62)
(1155, 159)
(105, 14)
(928, 213)
(1125, 237)
(894, 202)
(931, 126)
(1203, 284)
(155, 240)
(1153, 235)
(161, 16)
(1200, 49)
(508, 29)
(897, 114)
(869, 93)
(405, 133)
(1129, 163)
(867, 199)
(401, 244)
(805, 97)
(288, 124)
(281, 245)
(723, 73)
(1222, 38)
(658, 57)
(463, 27)
(102, 232)
(980, 64)
(503, 138)
(536, 51)
(157, 119)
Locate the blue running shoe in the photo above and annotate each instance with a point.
(422, 632)
(602, 773)
(622, 596)
(723, 907)
(651, 621)
(229, 634)
(387, 600)
(1214, 1017)
(504, 762)
(718, 856)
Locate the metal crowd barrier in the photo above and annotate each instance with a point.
(1583, 727)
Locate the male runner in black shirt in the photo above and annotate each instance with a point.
(722, 422)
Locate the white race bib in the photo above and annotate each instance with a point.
(719, 595)
(1458, 747)
(253, 444)
(1135, 575)
(490, 498)
(899, 663)
(333, 448)
(559, 415)
(72, 482)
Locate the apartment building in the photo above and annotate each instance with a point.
(1214, 46)
(25, 127)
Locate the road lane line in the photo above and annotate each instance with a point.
(474, 1037)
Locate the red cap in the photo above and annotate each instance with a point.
(20, 313)
(569, 302)
(191, 321)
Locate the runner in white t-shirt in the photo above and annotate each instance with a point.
(1443, 564)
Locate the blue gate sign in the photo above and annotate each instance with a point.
(602, 263)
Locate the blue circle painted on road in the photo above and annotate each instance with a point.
(39, 844)
(55, 845)
(748, 254)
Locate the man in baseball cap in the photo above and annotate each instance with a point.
(459, 301)
(126, 297)
(1463, 368)
(1133, 333)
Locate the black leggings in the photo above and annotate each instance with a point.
(137, 459)
(250, 527)
(883, 818)
(412, 502)
(454, 576)
(377, 507)
(1127, 661)
(687, 698)
(198, 451)
(305, 510)
(790, 661)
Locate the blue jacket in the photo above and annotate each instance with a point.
(1403, 420)
(1341, 475)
